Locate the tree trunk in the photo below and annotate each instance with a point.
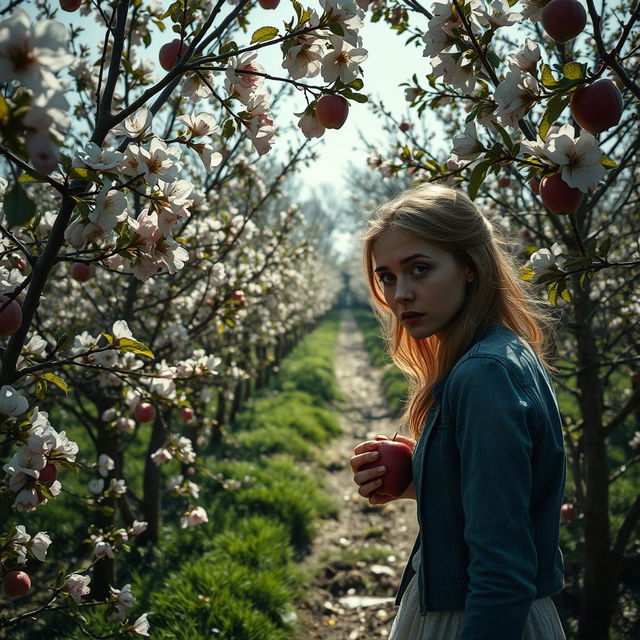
(104, 570)
(152, 493)
(599, 587)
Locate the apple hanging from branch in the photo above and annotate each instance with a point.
(597, 106)
(558, 197)
(563, 20)
(10, 317)
(171, 52)
(332, 111)
(16, 583)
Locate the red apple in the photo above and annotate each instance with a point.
(563, 20)
(21, 264)
(170, 53)
(10, 318)
(332, 111)
(70, 5)
(557, 196)
(396, 457)
(534, 185)
(81, 271)
(237, 296)
(568, 512)
(48, 474)
(526, 234)
(186, 414)
(268, 4)
(16, 583)
(144, 412)
(597, 106)
(404, 126)
(504, 181)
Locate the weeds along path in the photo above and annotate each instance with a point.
(357, 560)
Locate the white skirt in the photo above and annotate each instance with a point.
(543, 622)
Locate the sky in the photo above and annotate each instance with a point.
(389, 63)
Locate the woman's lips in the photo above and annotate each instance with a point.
(411, 317)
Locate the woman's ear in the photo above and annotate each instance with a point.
(470, 275)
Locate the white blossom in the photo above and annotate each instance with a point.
(141, 625)
(77, 586)
(193, 517)
(12, 402)
(105, 464)
(515, 95)
(304, 59)
(467, 146)
(30, 53)
(40, 544)
(99, 159)
(578, 158)
(135, 125)
(342, 62)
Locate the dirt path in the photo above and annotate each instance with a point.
(357, 560)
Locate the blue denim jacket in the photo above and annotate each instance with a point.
(489, 472)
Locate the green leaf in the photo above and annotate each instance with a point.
(547, 78)
(228, 47)
(608, 163)
(478, 175)
(18, 206)
(527, 273)
(57, 380)
(28, 177)
(555, 107)
(133, 346)
(80, 173)
(603, 249)
(228, 129)
(336, 28)
(172, 7)
(356, 97)
(264, 34)
(4, 108)
(506, 138)
(40, 388)
(574, 70)
(357, 84)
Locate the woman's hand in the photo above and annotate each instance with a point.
(369, 480)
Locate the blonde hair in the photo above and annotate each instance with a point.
(448, 219)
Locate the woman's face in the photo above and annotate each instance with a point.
(423, 285)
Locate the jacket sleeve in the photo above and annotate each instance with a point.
(494, 422)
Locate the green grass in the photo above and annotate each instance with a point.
(234, 577)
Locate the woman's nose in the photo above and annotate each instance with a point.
(403, 292)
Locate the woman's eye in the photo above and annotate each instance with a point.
(385, 278)
(421, 269)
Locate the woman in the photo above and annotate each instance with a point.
(489, 462)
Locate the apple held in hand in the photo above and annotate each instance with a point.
(396, 457)
(557, 196)
(597, 106)
(16, 583)
(563, 20)
(332, 111)
(10, 317)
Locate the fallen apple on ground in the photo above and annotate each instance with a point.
(395, 456)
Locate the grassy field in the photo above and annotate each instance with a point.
(234, 577)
